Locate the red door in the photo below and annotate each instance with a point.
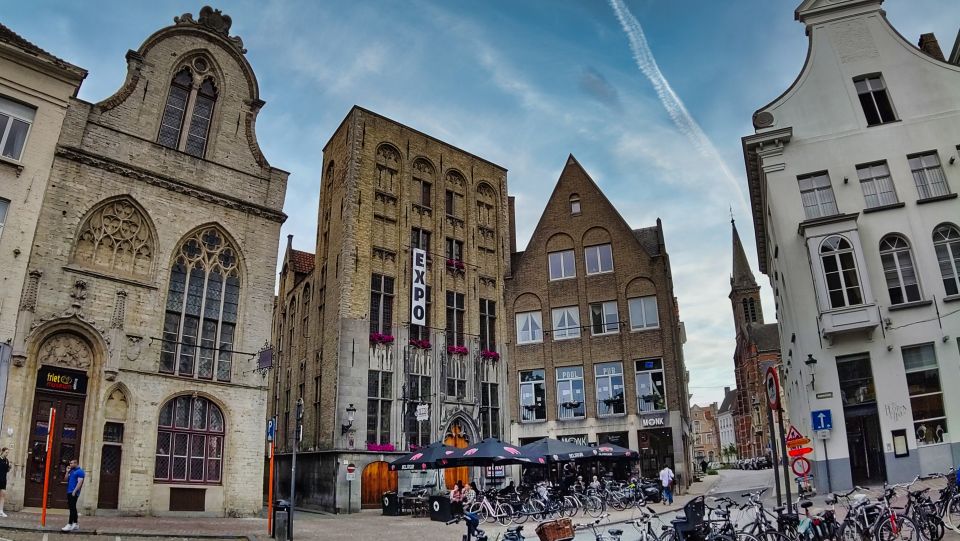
(67, 430)
(456, 438)
(375, 480)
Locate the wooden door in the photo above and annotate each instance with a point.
(67, 430)
(375, 480)
(109, 495)
(456, 438)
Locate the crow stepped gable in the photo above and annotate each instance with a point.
(149, 288)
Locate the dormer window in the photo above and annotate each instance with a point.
(187, 115)
(874, 99)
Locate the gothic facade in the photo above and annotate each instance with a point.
(149, 289)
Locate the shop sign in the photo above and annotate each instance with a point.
(418, 288)
(56, 379)
(579, 439)
(654, 421)
(616, 438)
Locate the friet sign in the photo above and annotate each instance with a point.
(56, 379)
(418, 289)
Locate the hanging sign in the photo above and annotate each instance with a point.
(422, 412)
(418, 289)
(773, 389)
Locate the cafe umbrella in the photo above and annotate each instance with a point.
(425, 458)
(489, 452)
(609, 450)
(553, 450)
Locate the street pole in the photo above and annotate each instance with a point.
(775, 460)
(786, 467)
(297, 435)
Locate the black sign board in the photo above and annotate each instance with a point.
(51, 378)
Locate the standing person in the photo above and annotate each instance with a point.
(75, 477)
(703, 466)
(456, 499)
(666, 480)
(4, 468)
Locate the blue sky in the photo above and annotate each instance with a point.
(522, 84)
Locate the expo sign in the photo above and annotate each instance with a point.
(418, 289)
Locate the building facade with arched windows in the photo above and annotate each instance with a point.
(853, 182)
(150, 287)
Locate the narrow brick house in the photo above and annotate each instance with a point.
(596, 343)
(149, 289)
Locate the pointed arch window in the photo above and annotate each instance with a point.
(840, 272)
(116, 237)
(189, 441)
(898, 270)
(188, 113)
(946, 243)
(202, 307)
(749, 311)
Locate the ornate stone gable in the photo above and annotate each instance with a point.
(66, 350)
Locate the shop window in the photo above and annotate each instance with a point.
(609, 382)
(533, 396)
(571, 401)
(651, 391)
(926, 394)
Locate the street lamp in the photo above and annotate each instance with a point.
(345, 427)
(811, 363)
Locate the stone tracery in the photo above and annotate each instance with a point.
(116, 237)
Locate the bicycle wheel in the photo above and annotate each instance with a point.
(849, 532)
(953, 513)
(593, 506)
(767, 535)
(504, 513)
(931, 527)
(669, 535)
(521, 513)
(905, 530)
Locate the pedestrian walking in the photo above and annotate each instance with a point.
(666, 480)
(4, 469)
(75, 477)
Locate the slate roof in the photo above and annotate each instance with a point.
(648, 238)
(765, 335)
(301, 262)
(729, 401)
(9, 36)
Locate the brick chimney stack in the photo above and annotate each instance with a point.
(928, 44)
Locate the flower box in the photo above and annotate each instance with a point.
(380, 338)
(457, 350)
(456, 264)
(489, 355)
(420, 344)
(380, 447)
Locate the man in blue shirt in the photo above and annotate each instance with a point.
(75, 477)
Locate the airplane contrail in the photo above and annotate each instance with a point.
(644, 59)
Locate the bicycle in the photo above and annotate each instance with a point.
(645, 527)
(490, 512)
(615, 533)
(473, 530)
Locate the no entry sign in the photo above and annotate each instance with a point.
(773, 388)
(800, 466)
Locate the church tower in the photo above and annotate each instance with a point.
(744, 291)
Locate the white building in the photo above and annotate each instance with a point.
(728, 433)
(853, 175)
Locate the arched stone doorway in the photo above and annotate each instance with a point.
(458, 435)
(62, 364)
(375, 480)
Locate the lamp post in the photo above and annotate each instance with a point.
(297, 436)
(755, 421)
(345, 427)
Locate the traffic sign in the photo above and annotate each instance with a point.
(821, 420)
(271, 429)
(798, 443)
(800, 451)
(773, 388)
(351, 472)
(800, 466)
(793, 434)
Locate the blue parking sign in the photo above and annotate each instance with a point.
(821, 420)
(270, 430)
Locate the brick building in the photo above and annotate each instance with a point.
(149, 288)
(706, 433)
(595, 338)
(758, 348)
(342, 320)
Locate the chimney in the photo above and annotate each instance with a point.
(726, 391)
(928, 44)
(512, 208)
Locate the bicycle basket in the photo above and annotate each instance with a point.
(556, 530)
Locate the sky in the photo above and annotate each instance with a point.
(651, 96)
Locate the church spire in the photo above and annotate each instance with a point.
(742, 276)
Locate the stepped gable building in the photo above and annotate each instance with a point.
(758, 348)
(149, 289)
(706, 434)
(853, 183)
(35, 89)
(595, 337)
(374, 382)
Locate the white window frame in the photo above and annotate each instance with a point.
(816, 195)
(15, 111)
(595, 253)
(844, 287)
(566, 262)
(902, 273)
(610, 378)
(928, 367)
(566, 332)
(566, 378)
(533, 335)
(923, 172)
(877, 185)
(531, 385)
(606, 314)
(4, 210)
(647, 373)
(946, 242)
(871, 85)
(639, 310)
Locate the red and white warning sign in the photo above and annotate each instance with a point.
(800, 466)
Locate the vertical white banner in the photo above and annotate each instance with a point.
(418, 289)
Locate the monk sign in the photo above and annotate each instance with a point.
(418, 301)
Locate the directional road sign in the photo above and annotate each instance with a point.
(821, 419)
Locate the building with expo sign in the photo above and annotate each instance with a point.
(595, 338)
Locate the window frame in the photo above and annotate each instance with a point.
(901, 257)
(611, 379)
(195, 94)
(817, 192)
(642, 301)
(383, 401)
(535, 335)
(15, 112)
(649, 372)
(566, 377)
(870, 178)
(951, 248)
(562, 261)
(872, 93)
(190, 433)
(598, 250)
(533, 385)
(453, 249)
(927, 368)
(604, 324)
(569, 332)
(383, 323)
(420, 238)
(922, 173)
(456, 313)
(4, 212)
(488, 324)
(836, 254)
(490, 426)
